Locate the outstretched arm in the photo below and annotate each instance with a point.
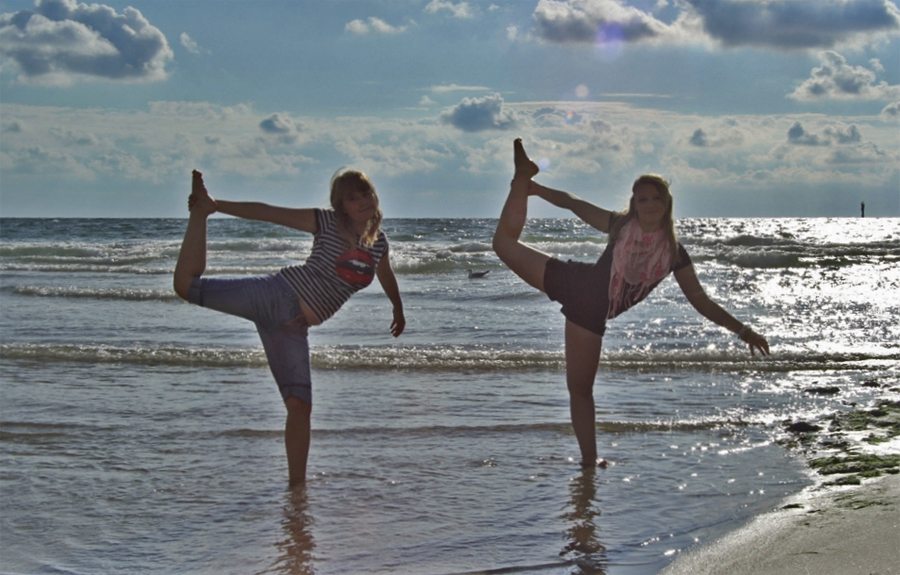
(693, 291)
(302, 219)
(592, 215)
(388, 281)
(298, 219)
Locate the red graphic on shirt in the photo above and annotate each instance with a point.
(355, 267)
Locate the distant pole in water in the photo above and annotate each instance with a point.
(862, 209)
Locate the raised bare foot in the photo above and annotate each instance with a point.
(525, 168)
(200, 200)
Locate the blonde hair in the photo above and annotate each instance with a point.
(629, 214)
(345, 182)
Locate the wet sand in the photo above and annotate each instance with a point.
(839, 530)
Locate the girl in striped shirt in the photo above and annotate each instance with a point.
(349, 250)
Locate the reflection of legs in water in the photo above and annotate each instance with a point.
(296, 549)
(192, 257)
(525, 261)
(582, 537)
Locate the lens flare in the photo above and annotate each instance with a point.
(609, 41)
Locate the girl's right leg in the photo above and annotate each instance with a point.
(582, 358)
(525, 261)
(192, 257)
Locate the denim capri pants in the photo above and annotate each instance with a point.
(270, 303)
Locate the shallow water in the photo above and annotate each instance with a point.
(141, 434)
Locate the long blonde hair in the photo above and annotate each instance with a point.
(668, 219)
(344, 182)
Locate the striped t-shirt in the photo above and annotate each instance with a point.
(333, 272)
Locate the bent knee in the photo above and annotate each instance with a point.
(182, 287)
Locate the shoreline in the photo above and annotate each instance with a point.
(846, 525)
(841, 531)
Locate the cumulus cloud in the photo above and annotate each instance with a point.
(840, 135)
(62, 41)
(729, 135)
(282, 126)
(799, 136)
(797, 24)
(477, 114)
(591, 21)
(461, 10)
(372, 26)
(835, 79)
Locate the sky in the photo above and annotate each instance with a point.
(750, 108)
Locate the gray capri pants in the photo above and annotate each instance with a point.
(270, 303)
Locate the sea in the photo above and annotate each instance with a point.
(141, 434)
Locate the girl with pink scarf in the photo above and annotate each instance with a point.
(642, 250)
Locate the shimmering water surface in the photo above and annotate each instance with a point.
(144, 435)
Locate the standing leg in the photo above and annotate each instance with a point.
(582, 358)
(525, 261)
(296, 438)
(192, 257)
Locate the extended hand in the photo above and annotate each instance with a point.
(756, 341)
(399, 323)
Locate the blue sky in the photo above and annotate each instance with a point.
(750, 107)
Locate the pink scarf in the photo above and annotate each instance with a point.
(640, 260)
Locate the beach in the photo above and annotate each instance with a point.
(847, 525)
(848, 531)
(142, 434)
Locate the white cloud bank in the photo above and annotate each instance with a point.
(837, 80)
(776, 24)
(62, 42)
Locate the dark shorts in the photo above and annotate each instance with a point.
(270, 303)
(582, 291)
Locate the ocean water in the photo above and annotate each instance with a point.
(139, 434)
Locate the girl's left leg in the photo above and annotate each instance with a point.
(582, 358)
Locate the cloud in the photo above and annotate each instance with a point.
(797, 24)
(372, 26)
(282, 126)
(62, 41)
(799, 136)
(778, 24)
(591, 21)
(477, 114)
(837, 80)
(190, 45)
(891, 111)
(840, 135)
(727, 135)
(461, 10)
(456, 88)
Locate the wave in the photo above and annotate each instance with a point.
(453, 358)
(123, 294)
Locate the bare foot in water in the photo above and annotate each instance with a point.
(525, 168)
(200, 198)
(601, 463)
